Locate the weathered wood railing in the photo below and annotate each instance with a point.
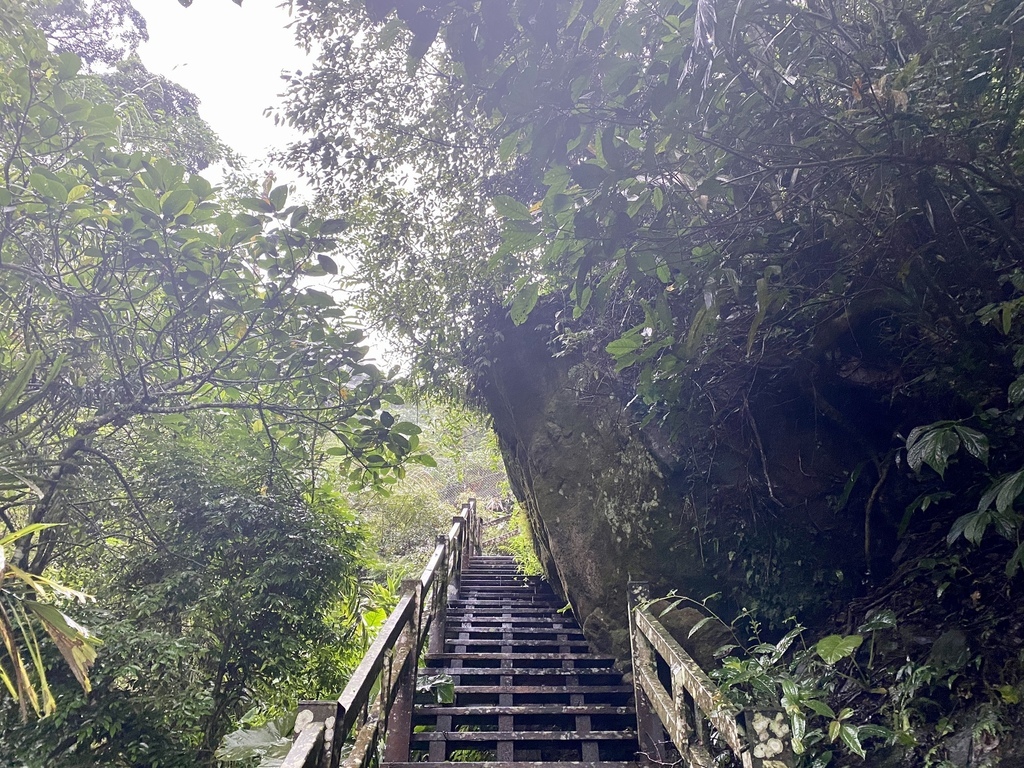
(692, 716)
(350, 736)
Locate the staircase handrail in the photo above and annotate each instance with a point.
(390, 663)
(755, 735)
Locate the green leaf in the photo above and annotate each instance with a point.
(326, 263)
(605, 13)
(175, 201)
(790, 690)
(874, 731)
(424, 459)
(975, 442)
(279, 196)
(76, 644)
(799, 726)
(510, 208)
(445, 693)
(623, 346)
(298, 215)
(1009, 489)
(258, 204)
(960, 526)
(68, 65)
(315, 298)
(1016, 561)
(608, 152)
(697, 627)
(77, 192)
(17, 385)
(588, 175)
(850, 737)
(932, 445)
(147, 199)
(1015, 393)
(508, 146)
(272, 739)
(28, 530)
(835, 647)
(333, 226)
(819, 708)
(881, 619)
(524, 303)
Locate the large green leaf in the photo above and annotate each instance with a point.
(835, 647)
(932, 445)
(510, 208)
(76, 644)
(269, 742)
(851, 738)
(524, 302)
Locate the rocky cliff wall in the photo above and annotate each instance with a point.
(610, 500)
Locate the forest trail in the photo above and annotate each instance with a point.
(509, 681)
(528, 692)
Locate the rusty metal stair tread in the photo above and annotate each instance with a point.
(513, 689)
(516, 630)
(525, 610)
(523, 736)
(546, 608)
(526, 709)
(495, 623)
(539, 656)
(501, 642)
(545, 671)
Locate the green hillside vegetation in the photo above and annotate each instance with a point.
(737, 284)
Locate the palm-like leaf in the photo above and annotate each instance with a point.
(19, 618)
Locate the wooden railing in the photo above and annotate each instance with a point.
(351, 735)
(691, 716)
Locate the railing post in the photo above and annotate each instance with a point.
(649, 730)
(399, 722)
(390, 665)
(458, 548)
(439, 606)
(475, 530)
(334, 738)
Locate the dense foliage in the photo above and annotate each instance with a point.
(228, 604)
(717, 194)
(726, 214)
(131, 290)
(180, 394)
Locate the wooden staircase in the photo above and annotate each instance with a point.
(528, 692)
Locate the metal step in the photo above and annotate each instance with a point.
(521, 764)
(528, 693)
(519, 644)
(595, 661)
(527, 709)
(476, 629)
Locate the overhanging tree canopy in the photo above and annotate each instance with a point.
(729, 198)
(129, 289)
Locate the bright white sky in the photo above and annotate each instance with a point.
(231, 57)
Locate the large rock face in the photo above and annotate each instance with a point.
(598, 501)
(609, 501)
(789, 502)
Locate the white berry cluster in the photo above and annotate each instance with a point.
(770, 734)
